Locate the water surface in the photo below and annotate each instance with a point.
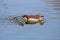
(12, 31)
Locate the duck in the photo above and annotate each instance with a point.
(32, 19)
(28, 19)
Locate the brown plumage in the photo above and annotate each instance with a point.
(32, 16)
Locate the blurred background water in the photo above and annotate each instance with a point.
(12, 31)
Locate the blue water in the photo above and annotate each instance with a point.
(12, 31)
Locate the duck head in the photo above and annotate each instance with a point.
(40, 17)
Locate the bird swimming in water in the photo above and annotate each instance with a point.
(28, 19)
